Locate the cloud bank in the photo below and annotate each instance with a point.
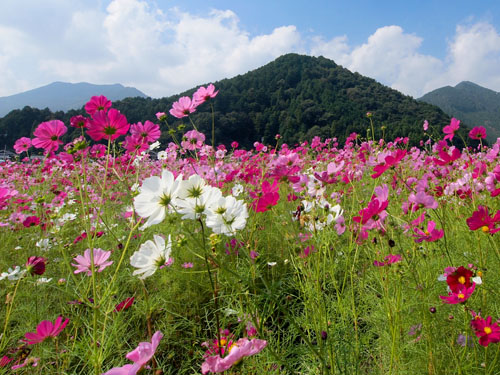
(163, 52)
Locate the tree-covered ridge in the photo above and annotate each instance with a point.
(476, 105)
(296, 96)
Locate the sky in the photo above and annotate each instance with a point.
(163, 47)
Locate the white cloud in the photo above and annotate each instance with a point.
(163, 52)
(391, 56)
(135, 43)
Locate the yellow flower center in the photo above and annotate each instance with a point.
(461, 295)
(485, 229)
(487, 330)
(461, 280)
(479, 273)
(222, 342)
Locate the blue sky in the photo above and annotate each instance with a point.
(163, 47)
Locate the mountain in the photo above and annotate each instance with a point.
(476, 105)
(62, 96)
(296, 96)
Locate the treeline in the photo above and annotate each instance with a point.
(297, 96)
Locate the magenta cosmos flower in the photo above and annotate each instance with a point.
(450, 130)
(96, 104)
(47, 135)
(140, 356)
(79, 122)
(107, 125)
(148, 133)
(83, 262)
(242, 348)
(22, 145)
(183, 107)
(487, 331)
(479, 132)
(460, 295)
(44, 330)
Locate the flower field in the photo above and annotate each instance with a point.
(124, 256)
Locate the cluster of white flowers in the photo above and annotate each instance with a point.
(194, 199)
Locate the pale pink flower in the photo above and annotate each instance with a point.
(83, 262)
(204, 94)
(140, 356)
(242, 348)
(183, 107)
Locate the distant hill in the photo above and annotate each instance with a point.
(474, 104)
(296, 96)
(62, 96)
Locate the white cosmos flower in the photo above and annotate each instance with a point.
(227, 216)
(13, 274)
(193, 187)
(157, 195)
(150, 256)
(193, 208)
(237, 190)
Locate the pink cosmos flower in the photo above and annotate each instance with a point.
(161, 116)
(479, 132)
(389, 259)
(23, 144)
(107, 125)
(192, 140)
(486, 331)
(242, 348)
(47, 135)
(134, 144)
(460, 295)
(481, 219)
(96, 104)
(450, 130)
(426, 125)
(446, 158)
(204, 94)
(79, 122)
(421, 200)
(431, 234)
(149, 132)
(390, 161)
(44, 330)
(183, 107)
(374, 213)
(140, 356)
(83, 263)
(267, 197)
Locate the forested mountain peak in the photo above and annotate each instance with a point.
(296, 96)
(476, 105)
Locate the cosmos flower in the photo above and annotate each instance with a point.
(237, 351)
(183, 107)
(140, 356)
(107, 125)
(44, 330)
(204, 94)
(96, 104)
(83, 262)
(151, 256)
(48, 135)
(23, 144)
(157, 195)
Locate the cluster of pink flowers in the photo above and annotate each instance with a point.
(185, 105)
